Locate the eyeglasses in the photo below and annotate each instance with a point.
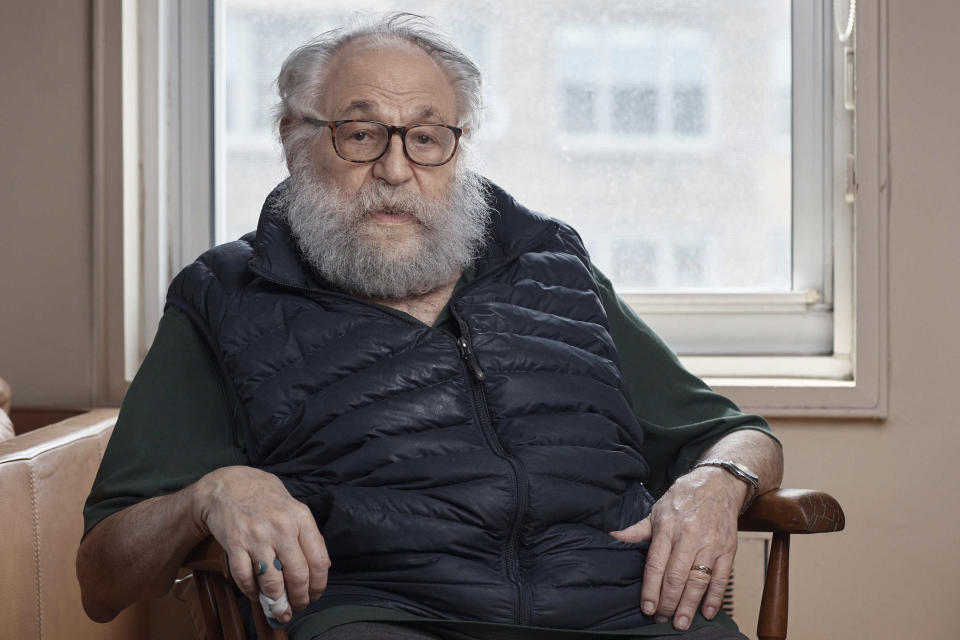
(429, 145)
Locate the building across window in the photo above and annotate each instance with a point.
(621, 86)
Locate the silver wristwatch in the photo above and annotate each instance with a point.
(739, 471)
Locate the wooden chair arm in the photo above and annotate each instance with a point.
(784, 512)
(208, 556)
(793, 511)
(221, 616)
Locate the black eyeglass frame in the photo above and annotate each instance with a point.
(391, 129)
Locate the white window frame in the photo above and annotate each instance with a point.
(803, 386)
(177, 159)
(114, 197)
(152, 168)
(177, 100)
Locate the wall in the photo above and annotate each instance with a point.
(45, 178)
(892, 574)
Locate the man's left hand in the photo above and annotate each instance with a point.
(694, 524)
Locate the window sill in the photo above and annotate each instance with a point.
(794, 386)
(751, 324)
(802, 397)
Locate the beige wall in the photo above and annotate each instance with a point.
(895, 572)
(45, 217)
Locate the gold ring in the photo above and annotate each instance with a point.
(702, 569)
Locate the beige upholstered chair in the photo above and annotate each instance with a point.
(45, 475)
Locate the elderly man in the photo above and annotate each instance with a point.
(408, 407)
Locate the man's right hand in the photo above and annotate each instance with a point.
(134, 554)
(255, 519)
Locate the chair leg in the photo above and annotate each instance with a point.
(264, 630)
(727, 602)
(208, 605)
(772, 624)
(227, 606)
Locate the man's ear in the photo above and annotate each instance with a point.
(286, 125)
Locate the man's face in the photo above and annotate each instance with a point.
(386, 229)
(394, 83)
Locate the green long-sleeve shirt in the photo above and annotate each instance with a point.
(178, 422)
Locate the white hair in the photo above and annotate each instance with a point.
(335, 236)
(302, 76)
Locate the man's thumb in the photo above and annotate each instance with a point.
(639, 532)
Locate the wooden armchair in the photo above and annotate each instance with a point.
(781, 512)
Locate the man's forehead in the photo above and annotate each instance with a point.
(370, 109)
(386, 79)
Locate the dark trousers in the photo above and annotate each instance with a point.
(388, 631)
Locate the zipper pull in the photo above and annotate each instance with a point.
(470, 359)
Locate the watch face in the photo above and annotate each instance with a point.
(734, 468)
(743, 472)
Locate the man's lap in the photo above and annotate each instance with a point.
(400, 631)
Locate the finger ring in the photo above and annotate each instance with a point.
(259, 568)
(278, 564)
(702, 569)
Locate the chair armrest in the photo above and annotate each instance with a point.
(95, 423)
(784, 512)
(221, 617)
(793, 511)
(208, 555)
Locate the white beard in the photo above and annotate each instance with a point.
(339, 239)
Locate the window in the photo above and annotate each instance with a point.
(636, 263)
(627, 88)
(663, 135)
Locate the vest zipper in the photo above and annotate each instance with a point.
(471, 359)
(521, 484)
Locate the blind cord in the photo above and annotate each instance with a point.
(851, 19)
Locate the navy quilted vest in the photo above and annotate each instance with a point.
(470, 475)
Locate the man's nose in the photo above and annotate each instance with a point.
(393, 167)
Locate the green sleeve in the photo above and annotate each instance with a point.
(681, 416)
(176, 424)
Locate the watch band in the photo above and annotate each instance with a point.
(739, 471)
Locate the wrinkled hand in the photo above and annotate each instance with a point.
(255, 519)
(694, 523)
